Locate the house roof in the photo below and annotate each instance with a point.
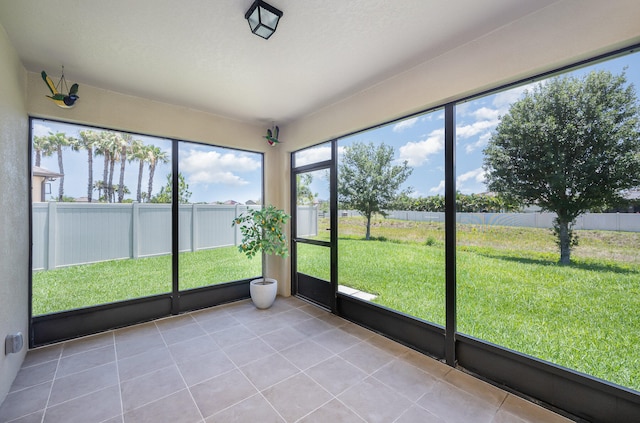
(41, 171)
(200, 53)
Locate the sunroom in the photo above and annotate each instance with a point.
(443, 300)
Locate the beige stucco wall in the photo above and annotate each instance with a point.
(14, 203)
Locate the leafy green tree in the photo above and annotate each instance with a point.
(368, 181)
(165, 194)
(139, 152)
(303, 187)
(569, 146)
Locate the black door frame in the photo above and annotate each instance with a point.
(314, 291)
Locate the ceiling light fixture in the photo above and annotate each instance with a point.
(263, 18)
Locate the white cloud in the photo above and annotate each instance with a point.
(476, 128)
(417, 153)
(211, 167)
(472, 181)
(40, 130)
(314, 155)
(483, 140)
(438, 189)
(405, 124)
(485, 113)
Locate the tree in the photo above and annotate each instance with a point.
(368, 181)
(303, 188)
(124, 142)
(140, 152)
(155, 156)
(41, 147)
(165, 194)
(58, 141)
(569, 146)
(88, 139)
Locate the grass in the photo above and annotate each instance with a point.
(511, 291)
(100, 283)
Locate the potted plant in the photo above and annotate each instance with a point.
(262, 231)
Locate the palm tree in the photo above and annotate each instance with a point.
(124, 143)
(156, 155)
(58, 141)
(140, 152)
(41, 146)
(88, 139)
(103, 147)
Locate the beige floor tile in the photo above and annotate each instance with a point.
(191, 349)
(183, 333)
(312, 327)
(269, 370)
(26, 401)
(135, 332)
(527, 411)
(283, 338)
(333, 412)
(417, 414)
(336, 375)
(141, 364)
(406, 379)
(175, 408)
(222, 392)
(34, 375)
(205, 367)
(357, 331)
(130, 346)
(42, 355)
(92, 408)
(266, 325)
(150, 387)
(366, 357)
(87, 343)
(81, 383)
(253, 409)
(425, 363)
(336, 340)
(174, 322)
(454, 405)
(306, 354)
(232, 336)
(296, 397)
(375, 402)
(476, 387)
(248, 351)
(86, 360)
(31, 418)
(387, 345)
(216, 322)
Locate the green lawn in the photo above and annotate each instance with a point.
(511, 292)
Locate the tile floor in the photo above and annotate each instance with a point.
(291, 363)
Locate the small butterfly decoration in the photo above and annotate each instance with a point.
(272, 135)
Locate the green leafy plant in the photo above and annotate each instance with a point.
(262, 230)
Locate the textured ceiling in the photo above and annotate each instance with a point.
(200, 53)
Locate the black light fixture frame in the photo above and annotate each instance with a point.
(262, 6)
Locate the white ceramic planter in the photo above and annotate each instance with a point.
(263, 292)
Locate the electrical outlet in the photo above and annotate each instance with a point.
(13, 343)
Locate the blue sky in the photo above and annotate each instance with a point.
(217, 174)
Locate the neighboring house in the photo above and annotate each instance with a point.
(39, 183)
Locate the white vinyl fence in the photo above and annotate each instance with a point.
(66, 234)
(627, 222)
